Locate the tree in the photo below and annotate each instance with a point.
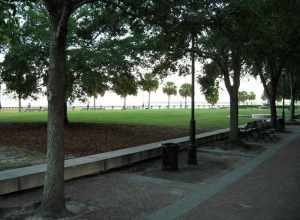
(209, 82)
(291, 82)
(170, 89)
(288, 88)
(124, 84)
(185, 91)
(212, 97)
(149, 83)
(224, 43)
(94, 84)
(59, 13)
(251, 96)
(0, 93)
(273, 44)
(243, 96)
(20, 73)
(294, 93)
(109, 16)
(24, 59)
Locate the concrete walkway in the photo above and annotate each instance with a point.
(266, 187)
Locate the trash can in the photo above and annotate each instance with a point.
(170, 156)
(280, 124)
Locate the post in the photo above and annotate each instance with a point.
(192, 152)
(0, 97)
(283, 102)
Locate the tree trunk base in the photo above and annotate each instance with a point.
(43, 213)
(32, 211)
(66, 122)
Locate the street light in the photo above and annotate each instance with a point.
(283, 102)
(193, 20)
(192, 151)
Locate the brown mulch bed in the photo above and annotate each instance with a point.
(85, 139)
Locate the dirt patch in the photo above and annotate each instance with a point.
(85, 139)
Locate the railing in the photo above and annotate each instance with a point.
(132, 107)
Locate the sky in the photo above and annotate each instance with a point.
(157, 98)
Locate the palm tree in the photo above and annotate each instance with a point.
(149, 83)
(170, 89)
(124, 85)
(185, 91)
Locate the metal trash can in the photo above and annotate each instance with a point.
(170, 156)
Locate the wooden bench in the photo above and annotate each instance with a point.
(248, 130)
(258, 130)
(265, 130)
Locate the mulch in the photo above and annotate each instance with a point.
(85, 139)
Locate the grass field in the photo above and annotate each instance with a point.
(206, 118)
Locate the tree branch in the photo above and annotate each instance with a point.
(264, 82)
(78, 3)
(63, 20)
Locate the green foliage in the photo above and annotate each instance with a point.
(209, 82)
(94, 84)
(170, 89)
(244, 96)
(185, 90)
(20, 72)
(8, 23)
(251, 96)
(124, 84)
(213, 96)
(274, 46)
(149, 82)
(25, 53)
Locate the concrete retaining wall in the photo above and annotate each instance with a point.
(33, 176)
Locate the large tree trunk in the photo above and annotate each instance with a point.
(53, 203)
(273, 107)
(233, 88)
(292, 107)
(124, 102)
(273, 110)
(94, 102)
(19, 103)
(0, 97)
(293, 96)
(169, 97)
(234, 116)
(66, 119)
(271, 93)
(185, 102)
(149, 96)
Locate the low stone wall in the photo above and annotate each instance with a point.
(33, 176)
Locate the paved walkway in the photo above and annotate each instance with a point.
(266, 187)
(270, 192)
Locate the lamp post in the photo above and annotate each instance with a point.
(283, 102)
(192, 152)
(0, 97)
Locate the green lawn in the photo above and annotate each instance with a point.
(207, 119)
